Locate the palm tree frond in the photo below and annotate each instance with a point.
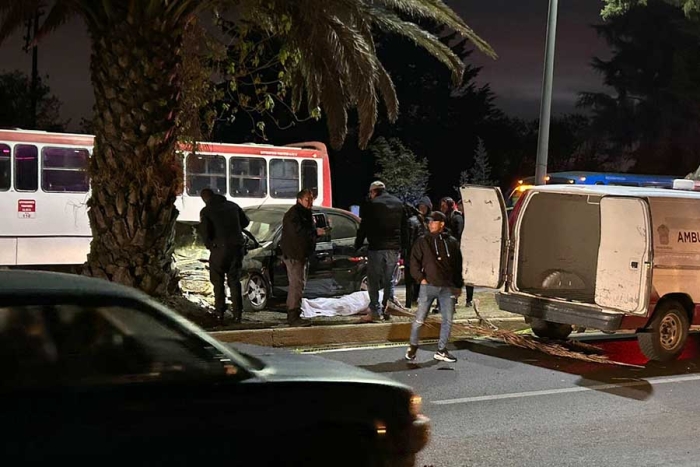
(57, 17)
(437, 11)
(14, 14)
(391, 23)
(388, 92)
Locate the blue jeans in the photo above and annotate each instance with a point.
(380, 271)
(446, 299)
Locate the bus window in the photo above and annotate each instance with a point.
(5, 165)
(248, 177)
(64, 169)
(205, 171)
(309, 176)
(284, 178)
(26, 167)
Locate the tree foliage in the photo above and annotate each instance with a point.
(16, 108)
(480, 171)
(404, 174)
(649, 123)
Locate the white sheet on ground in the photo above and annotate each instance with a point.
(347, 305)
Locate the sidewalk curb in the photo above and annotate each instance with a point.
(347, 334)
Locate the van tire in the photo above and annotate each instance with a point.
(665, 337)
(550, 330)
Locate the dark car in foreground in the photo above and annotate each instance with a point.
(335, 268)
(95, 372)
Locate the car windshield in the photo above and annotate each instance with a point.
(78, 345)
(264, 223)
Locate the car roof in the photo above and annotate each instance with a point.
(20, 282)
(285, 207)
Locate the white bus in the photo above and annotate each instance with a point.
(44, 188)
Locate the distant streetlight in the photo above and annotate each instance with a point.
(546, 102)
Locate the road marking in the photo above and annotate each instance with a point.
(548, 392)
(385, 345)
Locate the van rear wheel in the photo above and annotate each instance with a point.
(550, 330)
(665, 338)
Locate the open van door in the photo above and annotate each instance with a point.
(622, 276)
(484, 242)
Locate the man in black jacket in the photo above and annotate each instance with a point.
(298, 243)
(455, 224)
(436, 264)
(383, 224)
(221, 227)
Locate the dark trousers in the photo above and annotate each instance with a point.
(296, 275)
(470, 292)
(225, 263)
(412, 287)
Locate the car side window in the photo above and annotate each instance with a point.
(342, 227)
(76, 345)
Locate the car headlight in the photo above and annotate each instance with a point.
(415, 405)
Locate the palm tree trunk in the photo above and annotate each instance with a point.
(135, 171)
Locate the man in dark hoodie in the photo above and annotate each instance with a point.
(436, 264)
(221, 227)
(383, 224)
(299, 234)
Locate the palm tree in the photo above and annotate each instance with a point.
(136, 70)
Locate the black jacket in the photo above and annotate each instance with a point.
(222, 223)
(415, 229)
(438, 260)
(298, 233)
(382, 223)
(455, 224)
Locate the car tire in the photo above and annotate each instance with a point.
(362, 286)
(665, 337)
(550, 330)
(256, 293)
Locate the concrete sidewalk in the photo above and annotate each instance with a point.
(352, 331)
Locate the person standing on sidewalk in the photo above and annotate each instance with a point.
(299, 234)
(383, 224)
(455, 224)
(221, 227)
(436, 264)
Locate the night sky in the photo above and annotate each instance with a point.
(515, 28)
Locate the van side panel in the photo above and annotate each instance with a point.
(676, 234)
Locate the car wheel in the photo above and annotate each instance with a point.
(665, 338)
(550, 330)
(256, 292)
(364, 283)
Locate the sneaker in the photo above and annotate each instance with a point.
(444, 356)
(386, 317)
(468, 304)
(411, 353)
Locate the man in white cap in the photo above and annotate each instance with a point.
(383, 224)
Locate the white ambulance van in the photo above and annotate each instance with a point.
(610, 258)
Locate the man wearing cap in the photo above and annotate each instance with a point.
(436, 264)
(383, 224)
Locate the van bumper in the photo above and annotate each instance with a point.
(560, 312)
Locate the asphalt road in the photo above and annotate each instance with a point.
(504, 406)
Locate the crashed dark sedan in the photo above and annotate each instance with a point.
(335, 268)
(96, 372)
